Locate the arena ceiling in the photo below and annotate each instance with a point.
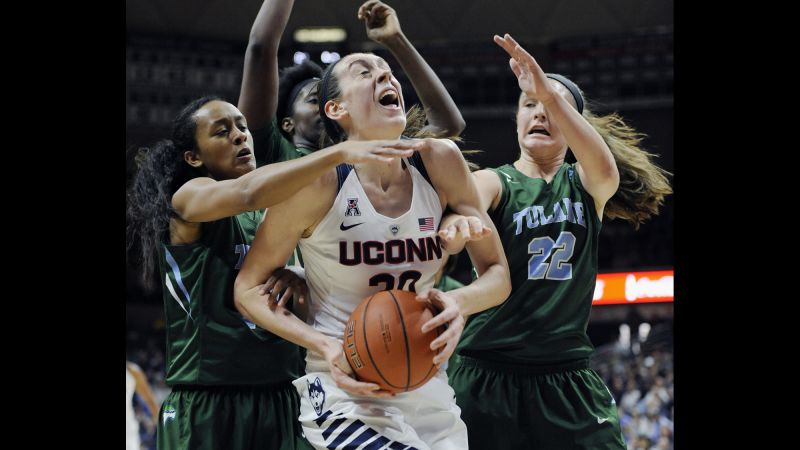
(536, 21)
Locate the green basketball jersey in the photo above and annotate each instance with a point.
(271, 146)
(208, 341)
(448, 283)
(549, 232)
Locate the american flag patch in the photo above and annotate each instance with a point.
(425, 224)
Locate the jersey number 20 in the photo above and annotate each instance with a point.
(388, 280)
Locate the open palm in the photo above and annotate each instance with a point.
(531, 78)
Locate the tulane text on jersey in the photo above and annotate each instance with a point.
(534, 215)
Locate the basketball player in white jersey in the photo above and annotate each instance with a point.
(364, 229)
(135, 381)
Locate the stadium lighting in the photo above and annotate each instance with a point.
(329, 57)
(644, 331)
(299, 57)
(320, 34)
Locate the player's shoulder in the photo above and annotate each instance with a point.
(441, 159)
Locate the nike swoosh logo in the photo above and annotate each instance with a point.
(345, 228)
(599, 420)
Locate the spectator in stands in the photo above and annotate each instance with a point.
(136, 382)
(631, 397)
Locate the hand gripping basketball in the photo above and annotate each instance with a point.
(384, 341)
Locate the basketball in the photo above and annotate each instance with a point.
(384, 344)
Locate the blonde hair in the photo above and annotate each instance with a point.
(642, 184)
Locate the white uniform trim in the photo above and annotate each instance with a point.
(353, 253)
(375, 247)
(424, 419)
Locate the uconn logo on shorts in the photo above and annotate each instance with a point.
(316, 394)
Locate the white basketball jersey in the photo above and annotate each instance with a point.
(355, 252)
(131, 424)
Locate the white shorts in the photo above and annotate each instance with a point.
(423, 419)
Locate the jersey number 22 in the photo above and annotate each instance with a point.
(558, 268)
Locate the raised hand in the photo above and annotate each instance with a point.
(531, 78)
(380, 19)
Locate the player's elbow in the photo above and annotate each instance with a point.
(500, 287)
(506, 289)
(255, 53)
(457, 127)
(450, 128)
(505, 285)
(260, 45)
(444, 147)
(240, 300)
(248, 196)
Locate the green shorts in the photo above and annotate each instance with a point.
(231, 418)
(512, 406)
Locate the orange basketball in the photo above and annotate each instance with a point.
(384, 344)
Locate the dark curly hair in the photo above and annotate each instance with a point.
(161, 172)
(290, 78)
